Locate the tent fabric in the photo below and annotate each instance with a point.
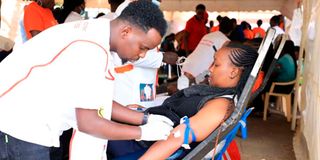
(222, 5)
(212, 5)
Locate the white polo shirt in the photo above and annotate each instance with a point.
(138, 86)
(202, 57)
(65, 67)
(73, 16)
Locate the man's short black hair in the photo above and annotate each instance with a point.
(201, 7)
(145, 15)
(259, 22)
(225, 25)
(117, 2)
(275, 20)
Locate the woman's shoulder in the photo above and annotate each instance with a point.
(220, 102)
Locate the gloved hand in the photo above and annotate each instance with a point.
(157, 128)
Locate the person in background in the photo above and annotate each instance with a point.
(259, 32)
(274, 23)
(71, 10)
(211, 25)
(285, 70)
(167, 46)
(195, 29)
(237, 32)
(179, 37)
(6, 46)
(216, 28)
(114, 4)
(281, 22)
(38, 17)
(247, 32)
(67, 81)
(196, 66)
(168, 43)
(77, 8)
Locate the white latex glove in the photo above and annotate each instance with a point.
(157, 128)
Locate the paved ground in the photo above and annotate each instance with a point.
(267, 140)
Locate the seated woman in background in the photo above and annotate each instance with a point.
(38, 17)
(70, 11)
(206, 106)
(285, 70)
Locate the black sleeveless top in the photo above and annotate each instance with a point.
(189, 101)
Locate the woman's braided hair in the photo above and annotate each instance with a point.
(244, 57)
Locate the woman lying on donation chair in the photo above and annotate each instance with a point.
(206, 106)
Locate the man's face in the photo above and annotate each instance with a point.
(134, 43)
(200, 14)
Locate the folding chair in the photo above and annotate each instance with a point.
(230, 125)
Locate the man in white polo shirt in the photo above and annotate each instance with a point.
(54, 82)
(198, 62)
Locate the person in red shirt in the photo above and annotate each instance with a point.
(38, 17)
(259, 32)
(216, 28)
(195, 29)
(248, 34)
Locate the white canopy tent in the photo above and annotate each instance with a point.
(284, 6)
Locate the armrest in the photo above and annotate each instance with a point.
(274, 84)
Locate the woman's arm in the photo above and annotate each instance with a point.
(203, 123)
(34, 32)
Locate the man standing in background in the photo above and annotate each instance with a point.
(195, 29)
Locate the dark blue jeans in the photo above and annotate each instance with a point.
(15, 149)
(125, 150)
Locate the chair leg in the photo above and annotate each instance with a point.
(288, 105)
(266, 105)
(284, 106)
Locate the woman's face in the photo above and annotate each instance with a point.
(221, 69)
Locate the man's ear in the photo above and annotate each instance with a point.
(125, 31)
